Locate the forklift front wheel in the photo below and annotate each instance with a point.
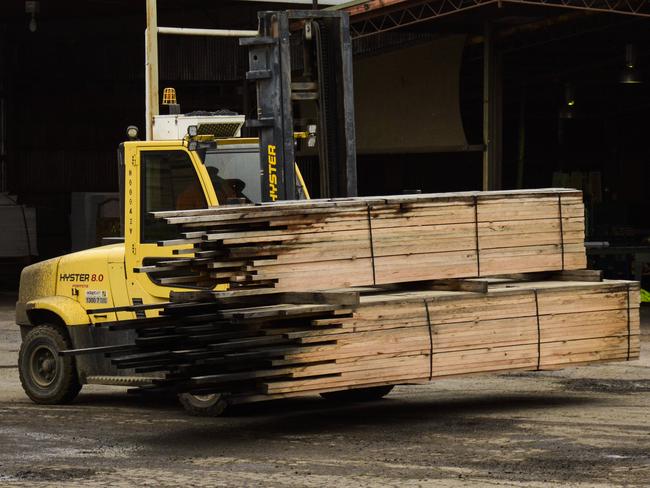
(47, 378)
(207, 405)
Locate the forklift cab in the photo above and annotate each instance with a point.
(194, 173)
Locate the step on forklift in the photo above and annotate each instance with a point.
(301, 62)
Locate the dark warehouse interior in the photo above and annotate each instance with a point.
(71, 86)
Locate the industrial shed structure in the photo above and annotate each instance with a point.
(451, 95)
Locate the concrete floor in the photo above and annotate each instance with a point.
(582, 427)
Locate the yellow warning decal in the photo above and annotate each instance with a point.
(273, 173)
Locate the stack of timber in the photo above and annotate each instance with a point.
(258, 345)
(326, 244)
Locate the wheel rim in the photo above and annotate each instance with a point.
(43, 366)
(207, 398)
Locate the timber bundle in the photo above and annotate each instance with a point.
(349, 293)
(322, 244)
(266, 347)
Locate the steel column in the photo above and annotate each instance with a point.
(281, 89)
(492, 112)
(151, 67)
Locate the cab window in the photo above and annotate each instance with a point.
(169, 182)
(235, 172)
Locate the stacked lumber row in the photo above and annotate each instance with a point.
(515, 326)
(231, 338)
(325, 244)
(391, 336)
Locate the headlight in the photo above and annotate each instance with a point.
(132, 132)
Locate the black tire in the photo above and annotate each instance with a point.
(209, 405)
(359, 394)
(47, 378)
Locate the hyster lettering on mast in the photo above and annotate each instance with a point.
(302, 64)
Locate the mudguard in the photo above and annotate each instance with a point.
(69, 310)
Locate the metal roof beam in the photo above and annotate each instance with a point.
(376, 16)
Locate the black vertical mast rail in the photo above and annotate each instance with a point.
(325, 84)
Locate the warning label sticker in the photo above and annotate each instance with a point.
(96, 296)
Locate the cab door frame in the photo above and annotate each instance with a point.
(139, 285)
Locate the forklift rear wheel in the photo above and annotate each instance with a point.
(207, 405)
(358, 394)
(47, 378)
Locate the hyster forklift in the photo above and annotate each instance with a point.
(301, 64)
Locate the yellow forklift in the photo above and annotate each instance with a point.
(302, 64)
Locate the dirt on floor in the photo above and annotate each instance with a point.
(582, 427)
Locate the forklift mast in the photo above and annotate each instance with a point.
(301, 62)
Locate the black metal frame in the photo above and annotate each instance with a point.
(376, 21)
(270, 66)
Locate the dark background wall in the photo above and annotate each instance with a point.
(72, 87)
